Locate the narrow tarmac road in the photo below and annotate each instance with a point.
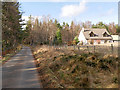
(20, 71)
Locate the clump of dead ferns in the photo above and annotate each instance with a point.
(61, 69)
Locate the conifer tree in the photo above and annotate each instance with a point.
(11, 27)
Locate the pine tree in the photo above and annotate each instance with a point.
(11, 27)
(59, 37)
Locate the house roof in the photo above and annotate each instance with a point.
(98, 32)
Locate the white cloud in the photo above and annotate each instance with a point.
(73, 10)
(25, 18)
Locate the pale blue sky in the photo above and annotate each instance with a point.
(77, 11)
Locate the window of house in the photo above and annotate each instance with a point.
(105, 41)
(105, 35)
(92, 34)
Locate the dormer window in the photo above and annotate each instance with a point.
(92, 34)
(105, 35)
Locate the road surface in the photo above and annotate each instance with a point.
(20, 71)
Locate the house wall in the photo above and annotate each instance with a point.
(109, 41)
(116, 38)
(95, 42)
(116, 41)
(102, 41)
(82, 38)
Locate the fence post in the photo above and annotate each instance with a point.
(79, 48)
(88, 49)
(94, 49)
(112, 48)
(59, 47)
(74, 47)
(65, 46)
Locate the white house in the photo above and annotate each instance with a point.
(94, 36)
(116, 38)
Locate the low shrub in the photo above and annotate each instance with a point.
(103, 66)
(115, 80)
(84, 55)
(54, 67)
(92, 64)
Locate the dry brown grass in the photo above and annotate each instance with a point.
(65, 68)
